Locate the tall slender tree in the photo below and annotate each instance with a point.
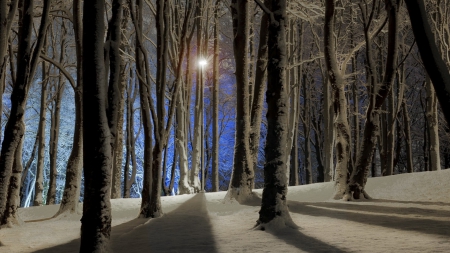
(72, 187)
(337, 82)
(431, 57)
(378, 95)
(27, 60)
(241, 184)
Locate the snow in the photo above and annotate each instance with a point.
(408, 213)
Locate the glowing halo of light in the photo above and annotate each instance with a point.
(202, 62)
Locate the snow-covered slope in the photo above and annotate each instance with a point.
(409, 213)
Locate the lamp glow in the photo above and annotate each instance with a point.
(202, 62)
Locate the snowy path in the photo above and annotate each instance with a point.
(413, 216)
(186, 227)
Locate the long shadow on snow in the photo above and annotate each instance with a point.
(382, 209)
(425, 203)
(303, 242)
(187, 228)
(426, 226)
(293, 236)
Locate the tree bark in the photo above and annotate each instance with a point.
(433, 131)
(26, 67)
(259, 87)
(197, 155)
(72, 187)
(241, 184)
(145, 100)
(307, 132)
(216, 78)
(39, 184)
(431, 57)
(116, 90)
(341, 125)
(97, 155)
(130, 141)
(11, 217)
(391, 127)
(359, 175)
(55, 123)
(274, 207)
(407, 125)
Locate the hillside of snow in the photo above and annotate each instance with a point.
(408, 213)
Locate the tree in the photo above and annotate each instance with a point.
(274, 208)
(431, 57)
(259, 87)
(59, 88)
(99, 122)
(337, 82)
(378, 95)
(15, 128)
(6, 20)
(39, 183)
(72, 187)
(216, 78)
(241, 184)
(432, 121)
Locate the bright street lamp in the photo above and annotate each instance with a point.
(202, 62)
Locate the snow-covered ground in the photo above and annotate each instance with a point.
(409, 213)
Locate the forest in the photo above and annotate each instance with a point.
(112, 99)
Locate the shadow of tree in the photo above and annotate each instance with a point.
(426, 226)
(383, 209)
(186, 227)
(303, 242)
(425, 203)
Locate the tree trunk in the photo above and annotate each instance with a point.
(116, 90)
(274, 204)
(359, 175)
(55, 125)
(241, 184)
(130, 141)
(259, 87)
(318, 149)
(54, 129)
(215, 113)
(340, 102)
(197, 155)
(96, 219)
(431, 57)
(407, 123)
(6, 20)
(181, 141)
(433, 131)
(293, 91)
(293, 172)
(23, 189)
(426, 137)
(11, 216)
(39, 184)
(307, 132)
(329, 132)
(391, 127)
(72, 187)
(26, 67)
(146, 103)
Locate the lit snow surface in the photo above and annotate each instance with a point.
(408, 213)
